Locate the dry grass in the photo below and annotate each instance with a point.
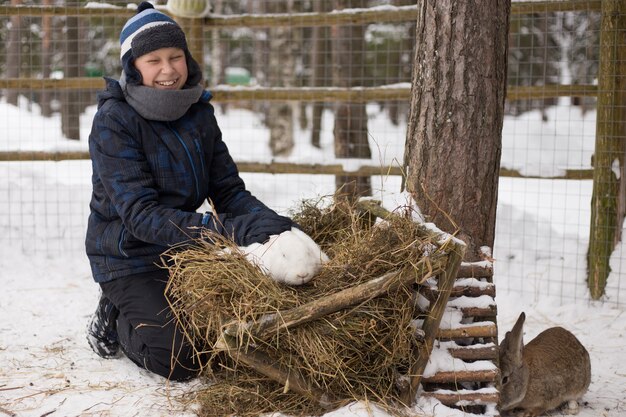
(363, 352)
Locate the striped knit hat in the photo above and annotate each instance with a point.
(148, 31)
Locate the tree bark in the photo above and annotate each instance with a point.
(321, 73)
(70, 106)
(454, 135)
(217, 63)
(350, 130)
(281, 115)
(46, 60)
(13, 58)
(609, 186)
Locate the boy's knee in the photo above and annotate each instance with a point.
(179, 365)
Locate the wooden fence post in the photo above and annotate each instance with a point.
(607, 201)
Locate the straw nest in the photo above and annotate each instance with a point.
(362, 352)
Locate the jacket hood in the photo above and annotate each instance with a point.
(112, 90)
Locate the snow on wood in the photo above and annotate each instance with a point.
(482, 301)
(442, 361)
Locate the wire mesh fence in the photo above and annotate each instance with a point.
(308, 92)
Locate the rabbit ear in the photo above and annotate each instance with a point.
(516, 341)
(519, 325)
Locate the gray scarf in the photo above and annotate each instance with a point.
(161, 105)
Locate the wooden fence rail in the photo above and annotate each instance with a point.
(339, 17)
(288, 167)
(306, 94)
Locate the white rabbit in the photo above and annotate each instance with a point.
(291, 257)
(552, 369)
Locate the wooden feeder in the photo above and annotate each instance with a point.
(235, 339)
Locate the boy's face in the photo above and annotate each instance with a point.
(164, 69)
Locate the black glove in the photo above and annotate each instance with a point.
(253, 227)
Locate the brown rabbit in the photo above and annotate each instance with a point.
(552, 369)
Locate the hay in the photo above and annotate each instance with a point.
(361, 353)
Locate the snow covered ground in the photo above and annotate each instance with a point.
(46, 367)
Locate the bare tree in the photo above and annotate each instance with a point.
(454, 136)
(351, 136)
(282, 51)
(70, 106)
(217, 62)
(46, 60)
(14, 60)
(320, 69)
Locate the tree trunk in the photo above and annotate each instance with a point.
(14, 58)
(398, 109)
(260, 62)
(46, 60)
(217, 63)
(70, 106)
(609, 185)
(454, 135)
(281, 114)
(319, 65)
(350, 131)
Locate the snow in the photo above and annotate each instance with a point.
(47, 297)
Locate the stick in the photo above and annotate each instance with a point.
(271, 323)
(432, 321)
(262, 363)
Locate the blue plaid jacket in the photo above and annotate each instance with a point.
(149, 178)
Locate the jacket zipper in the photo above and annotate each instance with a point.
(199, 148)
(193, 166)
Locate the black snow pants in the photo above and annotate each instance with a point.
(147, 330)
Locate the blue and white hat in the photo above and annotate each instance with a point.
(148, 31)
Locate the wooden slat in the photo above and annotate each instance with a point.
(482, 330)
(475, 270)
(473, 353)
(462, 376)
(490, 311)
(470, 291)
(475, 398)
(471, 312)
